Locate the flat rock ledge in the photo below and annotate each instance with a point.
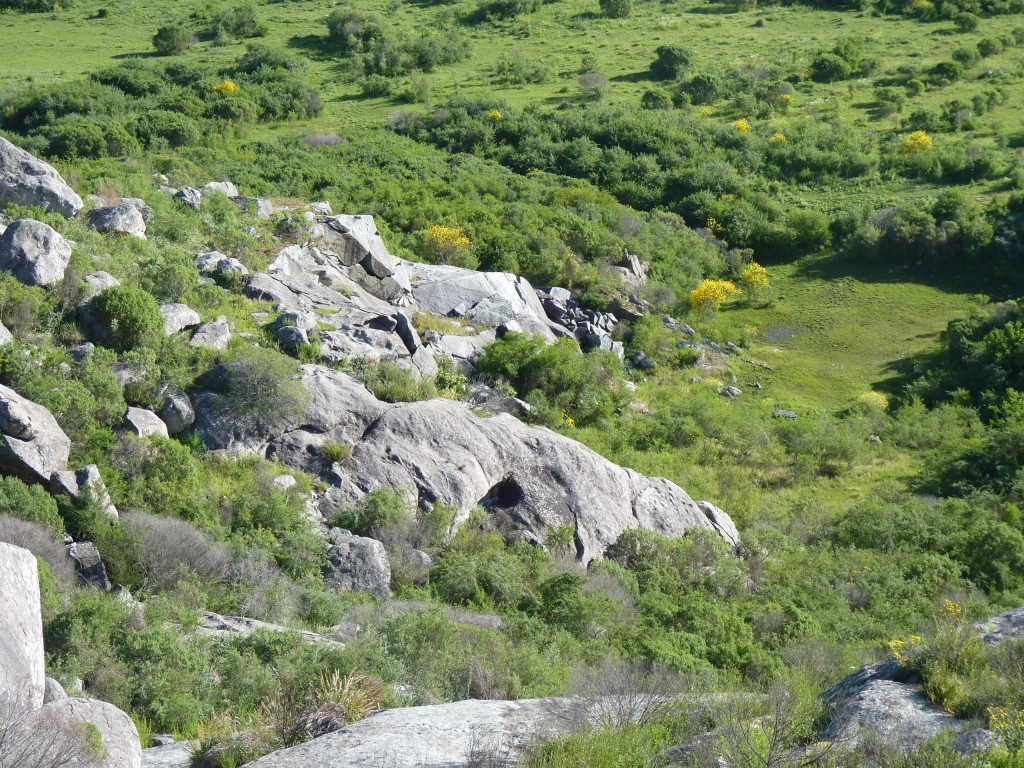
(463, 733)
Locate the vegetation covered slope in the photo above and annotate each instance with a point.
(869, 156)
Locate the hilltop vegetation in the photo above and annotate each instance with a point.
(868, 155)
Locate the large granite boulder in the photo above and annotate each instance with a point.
(26, 180)
(124, 219)
(486, 298)
(215, 335)
(46, 720)
(532, 478)
(144, 423)
(21, 627)
(357, 564)
(89, 564)
(32, 444)
(34, 252)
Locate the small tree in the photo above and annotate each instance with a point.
(172, 39)
(671, 61)
(130, 317)
(616, 9)
(754, 279)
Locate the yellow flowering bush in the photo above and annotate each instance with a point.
(914, 143)
(754, 278)
(778, 138)
(711, 293)
(449, 245)
(873, 401)
(742, 125)
(705, 111)
(495, 114)
(225, 86)
(714, 225)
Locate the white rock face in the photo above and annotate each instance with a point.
(34, 252)
(26, 180)
(83, 483)
(21, 626)
(215, 335)
(223, 187)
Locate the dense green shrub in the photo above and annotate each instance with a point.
(172, 39)
(29, 502)
(130, 317)
(671, 61)
(616, 9)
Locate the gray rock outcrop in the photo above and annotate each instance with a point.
(21, 628)
(118, 733)
(26, 180)
(533, 478)
(1008, 625)
(456, 735)
(144, 423)
(177, 412)
(32, 444)
(438, 450)
(357, 564)
(124, 219)
(89, 564)
(6, 337)
(215, 625)
(189, 196)
(83, 485)
(215, 335)
(176, 755)
(34, 252)
(178, 317)
(221, 187)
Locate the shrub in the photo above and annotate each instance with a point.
(172, 39)
(966, 21)
(989, 46)
(829, 67)
(241, 22)
(914, 143)
(654, 99)
(710, 294)
(616, 9)
(948, 71)
(41, 542)
(169, 549)
(262, 389)
(376, 510)
(130, 317)
(31, 503)
(703, 88)
(671, 61)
